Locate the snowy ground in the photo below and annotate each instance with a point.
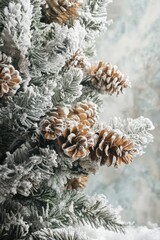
(132, 233)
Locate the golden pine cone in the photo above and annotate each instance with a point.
(53, 124)
(76, 141)
(111, 145)
(107, 78)
(60, 11)
(84, 112)
(76, 183)
(10, 80)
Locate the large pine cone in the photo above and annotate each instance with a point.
(85, 113)
(76, 183)
(52, 125)
(76, 141)
(107, 78)
(10, 80)
(60, 11)
(111, 145)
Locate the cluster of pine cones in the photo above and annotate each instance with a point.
(77, 136)
(75, 131)
(72, 130)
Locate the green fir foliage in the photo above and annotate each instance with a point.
(50, 213)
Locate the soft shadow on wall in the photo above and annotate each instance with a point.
(132, 43)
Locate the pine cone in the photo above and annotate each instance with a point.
(77, 60)
(76, 141)
(9, 80)
(53, 124)
(111, 145)
(76, 183)
(60, 11)
(107, 78)
(84, 112)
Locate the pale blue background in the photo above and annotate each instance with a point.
(132, 43)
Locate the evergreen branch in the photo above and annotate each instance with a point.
(69, 87)
(24, 110)
(17, 20)
(97, 212)
(36, 11)
(12, 223)
(3, 4)
(137, 130)
(18, 229)
(49, 209)
(16, 34)
(52, 45)
(94, 16)
(25, 170)
(49, 48)
(7, 137)
(59, 234)
(98, 6)
(77, 208)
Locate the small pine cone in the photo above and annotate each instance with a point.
(10, 80)
(76, 183)
(60, 11)
(76, 141)
(84, 112)
(108, 79)
(53, 124)
(77, 60)
(111, 145)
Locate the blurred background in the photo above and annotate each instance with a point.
(132, 42)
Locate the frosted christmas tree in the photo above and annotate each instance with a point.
(51, 138)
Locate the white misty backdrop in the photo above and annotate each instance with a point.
(132, 43)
